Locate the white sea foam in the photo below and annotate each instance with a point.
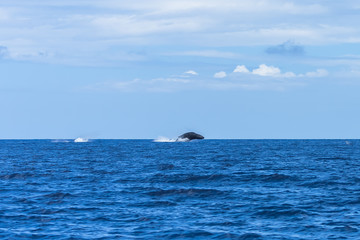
(164, 139)
(81, 140)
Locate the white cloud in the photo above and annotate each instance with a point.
(241, 69)
(317, 73)
(289, 75)
(221, 74)
(191, 72)
(265, 70)
(270, 71)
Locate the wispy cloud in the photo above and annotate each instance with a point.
(255, 6)
(317, 73)
(3, 52)
(205, 53)
(133, 25)
(86, 32)
(289, 48)
(270, 71)
(191, 72)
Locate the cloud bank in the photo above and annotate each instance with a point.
(264, 77)
(76, 31)
(270, 71)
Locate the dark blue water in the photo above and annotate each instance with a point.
(211, 189)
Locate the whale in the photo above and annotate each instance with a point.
(189, 136)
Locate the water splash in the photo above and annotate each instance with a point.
(164, 139)
(182, 140)
(81, 140)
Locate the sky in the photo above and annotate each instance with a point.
(239, 69)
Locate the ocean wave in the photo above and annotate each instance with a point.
(57, 195)
(184, 178)
(155, 204)
(200, 192)
(277, 177)
(285, 210)
(166, 166)
(19, 176)
(186, 234)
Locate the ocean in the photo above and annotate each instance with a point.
(209, 189)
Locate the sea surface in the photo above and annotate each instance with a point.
(210, 189)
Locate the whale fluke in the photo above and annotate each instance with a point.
(189, 136)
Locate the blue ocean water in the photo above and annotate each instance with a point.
(210, 189)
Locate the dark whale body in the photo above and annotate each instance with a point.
(190, 136)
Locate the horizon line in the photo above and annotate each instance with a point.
(1, 139)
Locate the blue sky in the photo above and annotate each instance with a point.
(144, 69)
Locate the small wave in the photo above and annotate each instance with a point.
(78, 140)
(332, 158)
(155, 204)
(281, 213)
(191, 234)
(285, 210)
(277, 177)
(166, 166)
(188, 192)
(47, 211)
(57, 195)
(346, 228)
(182, 178)
(164, 139)
(248, 236)
(323, 183)
(15, 176)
